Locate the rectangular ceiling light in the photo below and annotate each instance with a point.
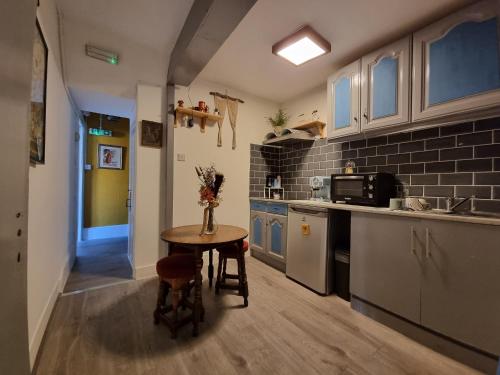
(302, 46)
(101, 54)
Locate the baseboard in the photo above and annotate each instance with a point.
(109, 231)
(44, 319)
(131, 263)
(144, 272)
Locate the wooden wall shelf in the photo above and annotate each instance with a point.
(317, 127)
(203, 116)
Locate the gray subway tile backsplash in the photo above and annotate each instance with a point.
(461, 160)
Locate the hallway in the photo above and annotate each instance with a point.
(99, 263)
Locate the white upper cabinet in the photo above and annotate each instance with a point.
(343, 101)
(385, 88)
(456, 64)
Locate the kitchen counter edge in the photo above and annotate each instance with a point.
(433, 215)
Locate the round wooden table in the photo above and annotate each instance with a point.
(188, 236)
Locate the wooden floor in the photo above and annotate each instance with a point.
(98, 263)
(286, 330)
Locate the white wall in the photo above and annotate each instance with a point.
(51, 210)
(148, 164)
(201, 149)
(306, 103)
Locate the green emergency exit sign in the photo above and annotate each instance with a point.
(101, 132)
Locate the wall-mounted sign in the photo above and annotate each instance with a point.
(101, 132)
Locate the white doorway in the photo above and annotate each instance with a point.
(105, 194)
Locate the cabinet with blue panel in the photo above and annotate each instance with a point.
(276, 237)
(258, 222)
(343, 101)
(385, 86)
(268, 232)
(456, 63)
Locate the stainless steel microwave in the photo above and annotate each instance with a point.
(370, 189)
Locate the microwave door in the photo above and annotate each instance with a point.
(349, 188)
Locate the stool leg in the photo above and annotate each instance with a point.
(243, 274)
(219, 271)
(210, 268)
(224, 270)
(240, 276)
(175, 305)
(160, 302)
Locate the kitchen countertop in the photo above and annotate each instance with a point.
(431, 214)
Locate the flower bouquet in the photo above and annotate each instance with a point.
(211, 183)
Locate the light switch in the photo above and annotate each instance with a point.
(181, 157)
(88, 167)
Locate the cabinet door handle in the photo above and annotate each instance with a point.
(412, 240)
(355, 118)
(365, 115)
(427, 243)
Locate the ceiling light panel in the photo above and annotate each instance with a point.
(302, 46)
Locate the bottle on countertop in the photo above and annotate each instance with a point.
(278, 182)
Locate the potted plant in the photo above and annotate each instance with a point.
(279, 121)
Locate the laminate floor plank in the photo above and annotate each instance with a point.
(98, 263)
(286, 329)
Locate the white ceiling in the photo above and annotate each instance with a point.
(353, 27)
(143, 33)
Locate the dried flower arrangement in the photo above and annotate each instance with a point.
(210, 191)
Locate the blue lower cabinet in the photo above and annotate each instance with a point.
(268, 232)
(257, 229)
(276, 238)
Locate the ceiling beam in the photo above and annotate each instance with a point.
(207, 26)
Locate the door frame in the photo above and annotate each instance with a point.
(15, 88)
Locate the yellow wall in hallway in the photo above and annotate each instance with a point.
(106, 190)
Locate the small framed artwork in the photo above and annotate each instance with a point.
(38, 97)
(110, 157)
(151, 134)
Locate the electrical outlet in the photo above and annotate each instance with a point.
(181, 157)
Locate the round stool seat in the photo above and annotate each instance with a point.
(176, 267)
(232, 249)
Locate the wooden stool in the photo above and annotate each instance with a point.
(232, 252)
(177, 249)
(177, 273)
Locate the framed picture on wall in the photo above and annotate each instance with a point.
(151, 133)
(110, 157)
(38, 97)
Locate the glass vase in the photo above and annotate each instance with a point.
(209, 226)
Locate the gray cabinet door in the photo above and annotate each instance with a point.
(461, 283)
(385, 263)
(276, 236)
(258, 230)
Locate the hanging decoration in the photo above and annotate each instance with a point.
(232, 108)
(220, 106)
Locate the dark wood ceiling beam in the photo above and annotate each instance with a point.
(208, 25)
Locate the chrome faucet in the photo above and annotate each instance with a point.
(451, 206)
